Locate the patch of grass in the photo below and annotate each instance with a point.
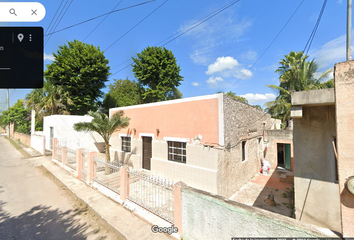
(285, 195)
(277, 190)
(18, 147)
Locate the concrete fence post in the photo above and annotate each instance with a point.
(43, 145)
(124, 183)
(63, 156)
(90, 166)
(54, 153)
(79, 163)
(177, 207)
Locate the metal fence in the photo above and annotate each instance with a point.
(70, 158)
(152, 193)
(84, 162)
(58, 152)
(107, 174)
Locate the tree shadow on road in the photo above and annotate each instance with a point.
(42, 222)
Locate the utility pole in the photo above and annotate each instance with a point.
(8, 107)
(349, 30)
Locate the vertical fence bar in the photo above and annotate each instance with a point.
(90, 166)
(43, 138)
(63, 155)
(78, 162)
(55, 141)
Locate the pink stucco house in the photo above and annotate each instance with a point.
(211, 142)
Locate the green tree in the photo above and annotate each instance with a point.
(82, 70)
(122, 93)
(296, 74)
(104, 126)
(19, 115)
(156, 69)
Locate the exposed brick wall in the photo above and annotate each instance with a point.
(241, 122)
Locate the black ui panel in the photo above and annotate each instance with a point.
(21, 57)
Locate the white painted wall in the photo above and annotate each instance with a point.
(37, 142)
(65, 133)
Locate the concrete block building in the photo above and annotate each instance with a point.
(324, 153)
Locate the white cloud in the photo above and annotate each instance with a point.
(257, 97)
(222, 64)
(213, 81)
(250, 55)
(243, 74)
(330, 53)
(195, 84)
(225, 29)
(48, 57)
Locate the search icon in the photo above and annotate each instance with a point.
(12, 11)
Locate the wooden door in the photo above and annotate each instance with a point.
(147, 152)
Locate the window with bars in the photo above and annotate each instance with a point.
(177, 151)
(126, 144)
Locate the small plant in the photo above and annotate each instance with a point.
(277, 190)
(285, 195)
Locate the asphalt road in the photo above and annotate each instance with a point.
(34, 206)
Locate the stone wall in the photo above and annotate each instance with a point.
(241, 122)
(316, 186)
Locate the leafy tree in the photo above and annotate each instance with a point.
(19, 115)
(173, 94)
(296, 74)
(122, 93)
(2, 122)
(104, 126)
(258, 107)
(82, 70)
(156, 69)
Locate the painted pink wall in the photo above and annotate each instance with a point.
(180, 120)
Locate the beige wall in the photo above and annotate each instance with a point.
(316, 188)
(344, 89)
(200, 171)
(277, 136)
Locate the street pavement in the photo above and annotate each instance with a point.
(33, 206)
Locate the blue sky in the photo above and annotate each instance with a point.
(219, 55)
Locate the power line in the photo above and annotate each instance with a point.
(54, 17)
(136, 25)
(102, 21)
(60, 19)
(313, 33)
(187, 29)
(281, 30)
(88, 20)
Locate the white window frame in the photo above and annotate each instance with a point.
(123, 145)
(183, 156)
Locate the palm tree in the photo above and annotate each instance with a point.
(51, 99)
(296, 74)
(104, 126)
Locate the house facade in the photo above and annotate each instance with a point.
(211, 142)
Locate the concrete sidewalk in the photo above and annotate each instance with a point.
(122, 220)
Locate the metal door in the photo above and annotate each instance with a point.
(287, 157)
(147, 152)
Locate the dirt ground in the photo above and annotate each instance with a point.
(256, 193)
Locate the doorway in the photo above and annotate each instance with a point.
(284, 155)
(147, 152)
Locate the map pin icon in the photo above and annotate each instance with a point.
(20, 37)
